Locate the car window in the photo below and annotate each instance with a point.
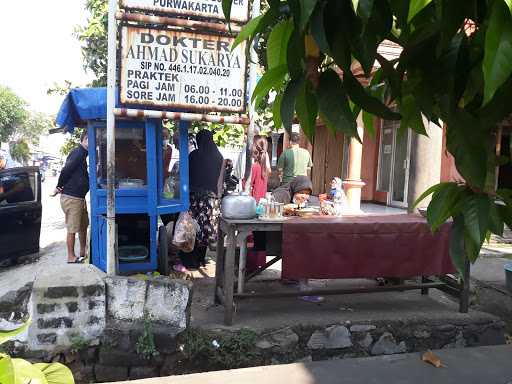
(17, 188)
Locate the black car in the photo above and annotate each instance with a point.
(20, 212)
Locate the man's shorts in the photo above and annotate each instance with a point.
(75, 210)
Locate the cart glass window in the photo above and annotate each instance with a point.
(170, 188)
(131, 166)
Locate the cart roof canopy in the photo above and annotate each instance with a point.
(81, 105)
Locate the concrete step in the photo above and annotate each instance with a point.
(490, 365)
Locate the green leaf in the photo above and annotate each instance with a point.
(333, 104)
(416, 6)
(509, 4)
(497, 63)
(369, 103)
(7, 335)
(476, 216)
(278, 42)
(27, 373)
(288, 102)
(468, 150)
(471, 247)
(318, 29)
(457, 251)
(7, 375)
(295, 53)
(226, 8)
(442, 204)
(368, 122)
(307, 110)
(496, 224)
(276, 111)
(428, 192)
(411, 115)
(56, 373)
(364, 9)
(306, 9)
(248, 32)
(272, 78)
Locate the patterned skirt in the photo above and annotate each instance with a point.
(205, 209)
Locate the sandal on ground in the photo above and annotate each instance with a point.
(78, 260)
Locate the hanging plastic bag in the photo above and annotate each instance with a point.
(185, 232)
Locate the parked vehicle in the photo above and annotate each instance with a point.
(20, 212)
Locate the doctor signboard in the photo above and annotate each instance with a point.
(202, 8)
(182, 70)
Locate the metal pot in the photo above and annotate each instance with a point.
(238, 206)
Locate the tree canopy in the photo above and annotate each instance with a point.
(454, 68)
(12, 113)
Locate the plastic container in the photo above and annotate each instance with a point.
(132, 253)
(508, 276)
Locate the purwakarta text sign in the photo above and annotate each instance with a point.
(182, 70)
(201, 8)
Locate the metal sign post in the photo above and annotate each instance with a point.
(111, 142)
(252, 85)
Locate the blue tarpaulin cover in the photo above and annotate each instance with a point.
(80, 105)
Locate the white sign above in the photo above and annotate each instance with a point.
(182, 70)
(200, 8)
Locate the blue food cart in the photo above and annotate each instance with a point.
(142, 193)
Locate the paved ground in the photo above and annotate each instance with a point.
(489, 365)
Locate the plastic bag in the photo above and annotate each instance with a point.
(185, 232)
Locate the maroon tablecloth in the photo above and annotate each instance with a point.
(364, 246)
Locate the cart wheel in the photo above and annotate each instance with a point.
(163, 250)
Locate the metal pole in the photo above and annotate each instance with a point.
(252, 84)
(111, 143)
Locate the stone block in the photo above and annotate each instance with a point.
(169, 365)
(168, 302)
(137, 373)
(46, 308)
(114, 338)
(387, 345)
(47, 338)
(334, 337)
(72, 306)
(62, 286)
(93, 304)
(59, 292)
(57, 322)
(94, 290)
(365, 342)
(360, 328)
(94, 320)
(105, 373)
(116, 357)
(282, 339)
(125, 298)
(165, 342)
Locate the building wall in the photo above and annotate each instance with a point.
(448, 170)
(370, 163)
(425, 163)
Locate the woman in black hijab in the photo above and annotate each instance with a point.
(205, 167)
(297, 191)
